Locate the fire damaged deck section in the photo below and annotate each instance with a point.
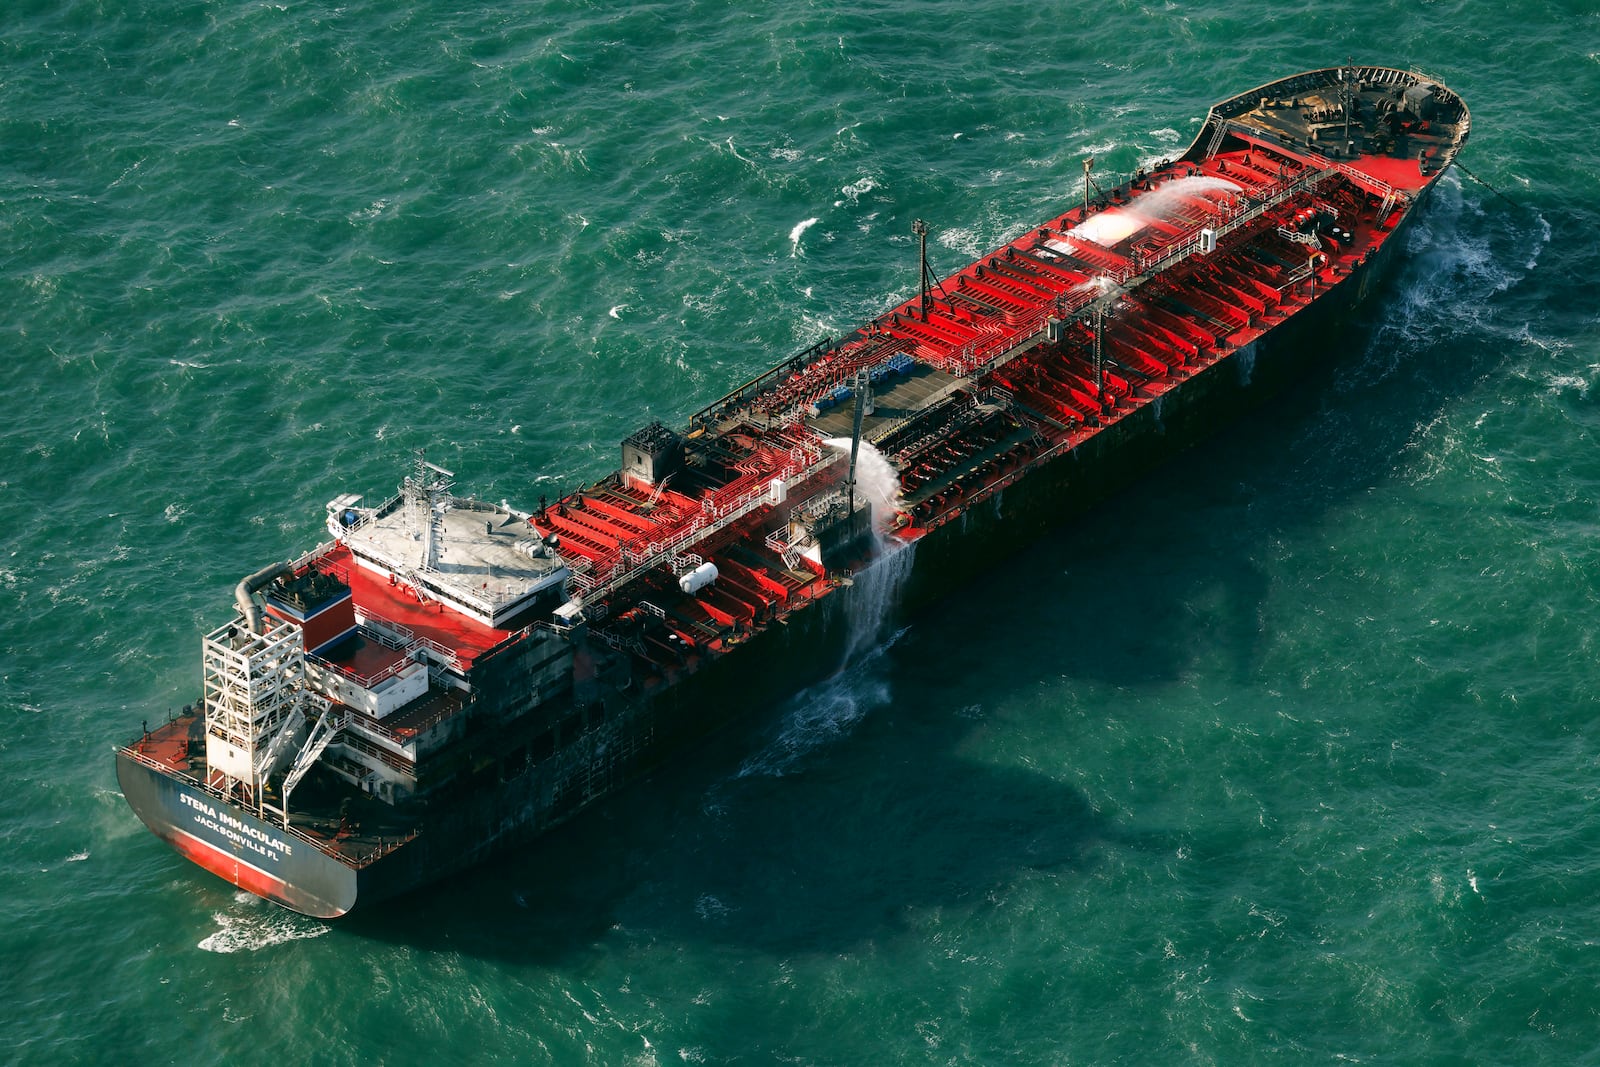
(467, 673)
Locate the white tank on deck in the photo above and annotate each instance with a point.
(698, 578)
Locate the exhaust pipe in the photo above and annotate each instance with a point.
(243, 594)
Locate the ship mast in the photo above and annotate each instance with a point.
(1347, 94)
(919, 228)
(430, 498)
(1099, 349)
(863, 390)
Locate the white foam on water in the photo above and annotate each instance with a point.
(263, 926)
(1454, 265)
(1561, 383)
(821, 714)
(796, 233)
(966, 240)
(710, 909)
(856, 189)
(809, 326)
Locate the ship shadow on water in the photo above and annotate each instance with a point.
(834, 836)
(1176, 570)
(771, 841)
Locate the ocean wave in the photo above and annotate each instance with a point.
(261, 926)
(857, 189)
(820, 715)
(1458, 259)
(798, 232)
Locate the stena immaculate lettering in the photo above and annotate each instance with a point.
(230, 827)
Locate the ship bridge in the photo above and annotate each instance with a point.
(483, 560)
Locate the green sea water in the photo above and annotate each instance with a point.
(1287, 753)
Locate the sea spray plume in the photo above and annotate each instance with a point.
(1108, 228)
(1099, 283)
(1164, 201)
(876, 596)
(876, 479)
(825, 711)
(878, 583)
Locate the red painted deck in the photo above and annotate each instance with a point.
(365, 658)
(394, 603)
(1400, 173)
(168, 745)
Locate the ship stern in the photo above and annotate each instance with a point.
(233, 844)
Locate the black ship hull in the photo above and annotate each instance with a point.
(234, 844)
(504, 804)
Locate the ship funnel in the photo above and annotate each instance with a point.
(243, 594)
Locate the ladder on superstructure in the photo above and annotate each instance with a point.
(661, 487)
(1216, 138)
(329, 723)
(413, 577)
(780, 544)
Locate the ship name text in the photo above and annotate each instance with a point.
(236, 830)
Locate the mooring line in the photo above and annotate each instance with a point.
(1487, 186)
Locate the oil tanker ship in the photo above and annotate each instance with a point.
(444, 676)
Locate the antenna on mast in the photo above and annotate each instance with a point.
(427, 493)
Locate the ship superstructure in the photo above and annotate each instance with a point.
(445, 675)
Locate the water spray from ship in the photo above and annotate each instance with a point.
(598, 637)
(825, 711)
(1113, 226)
(878, 582)
(1163, 203)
